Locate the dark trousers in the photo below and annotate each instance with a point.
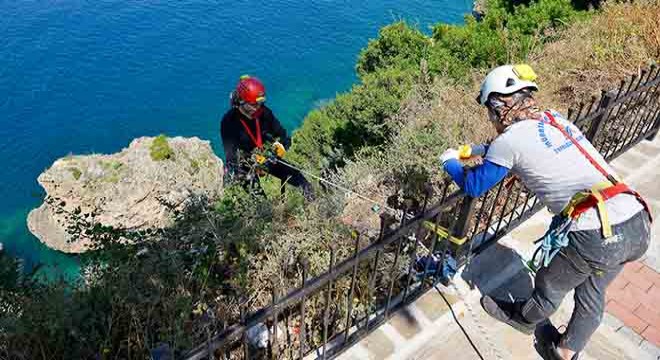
(287, 175)
(588, 264)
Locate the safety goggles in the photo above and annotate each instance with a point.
(250, 107)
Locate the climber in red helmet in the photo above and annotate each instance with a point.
(246, 129)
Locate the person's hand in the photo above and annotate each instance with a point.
(279, 149)
(465, 151)
(470, 151)
(259, 159)
(448, 155)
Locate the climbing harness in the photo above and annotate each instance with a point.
(552, 242)
(556, 237)
(256, 138)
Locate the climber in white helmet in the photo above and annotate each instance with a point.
(599, 225)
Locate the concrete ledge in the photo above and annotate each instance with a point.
(408, 329)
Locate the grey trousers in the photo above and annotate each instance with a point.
(588, 264)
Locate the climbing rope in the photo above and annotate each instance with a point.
(377, 206)
(491, 347)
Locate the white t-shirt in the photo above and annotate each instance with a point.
(552, 167)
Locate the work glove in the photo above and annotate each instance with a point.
(468, 151)
(259, 159)
(465, 151)
(448, 155)
(279, 149)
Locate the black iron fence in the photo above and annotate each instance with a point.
(327, 314)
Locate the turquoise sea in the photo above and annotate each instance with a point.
(88, 76)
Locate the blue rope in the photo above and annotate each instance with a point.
(555, 238)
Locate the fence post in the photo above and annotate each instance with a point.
(243, 313)
(274, 346)
(463, 221)
(655, 127)
(303, 334)
(656, 124)
(597, 123)
(462, 226)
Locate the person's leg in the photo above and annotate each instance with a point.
(253, 186)
(607, 257)
(588, 311)
(245, 178)
(291, 176)
(565, 272)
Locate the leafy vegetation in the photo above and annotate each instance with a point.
(75, 172)
(160, 149)
(415, 98)
(391, 64)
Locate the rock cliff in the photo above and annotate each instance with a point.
(142, 187)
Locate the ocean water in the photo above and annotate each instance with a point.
(89, 76)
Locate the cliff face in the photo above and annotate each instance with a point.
(142, 187)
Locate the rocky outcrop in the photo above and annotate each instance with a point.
(145, 186)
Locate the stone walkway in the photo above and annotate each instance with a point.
(634, 296)
(630, 328)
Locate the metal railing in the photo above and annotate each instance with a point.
(327, 314)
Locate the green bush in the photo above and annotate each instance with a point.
(331, 135)
(389, 65)
(133, 297)
(160, 149)
(397, 44)
(506, 34)
(75, 172)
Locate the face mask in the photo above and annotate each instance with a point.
(494, 108)
(249, 109)
(492, 115)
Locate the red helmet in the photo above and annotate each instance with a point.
(251, 90)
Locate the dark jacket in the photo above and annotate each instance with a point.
(236, 141)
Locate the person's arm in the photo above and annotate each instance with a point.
(278, 131)
(476, 181)
(229, 143)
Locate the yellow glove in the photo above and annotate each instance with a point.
(279, 149)
(468, 151)
(259, 159)
(464, 151)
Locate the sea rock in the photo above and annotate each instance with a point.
(145, 186)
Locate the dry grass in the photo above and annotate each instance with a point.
(433, 118)
(598, 53)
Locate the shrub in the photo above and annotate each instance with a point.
(506, 34)
(75, 172)
(160, 149)
(389, 65)
(397, 44)
(331, 135)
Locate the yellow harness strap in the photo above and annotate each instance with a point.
(602, 213)
(602, 210)
(443, 233)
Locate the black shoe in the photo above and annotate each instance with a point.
(507, 312)
(547, 339)
(547, 342)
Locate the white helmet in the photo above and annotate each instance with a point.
(506, 80)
